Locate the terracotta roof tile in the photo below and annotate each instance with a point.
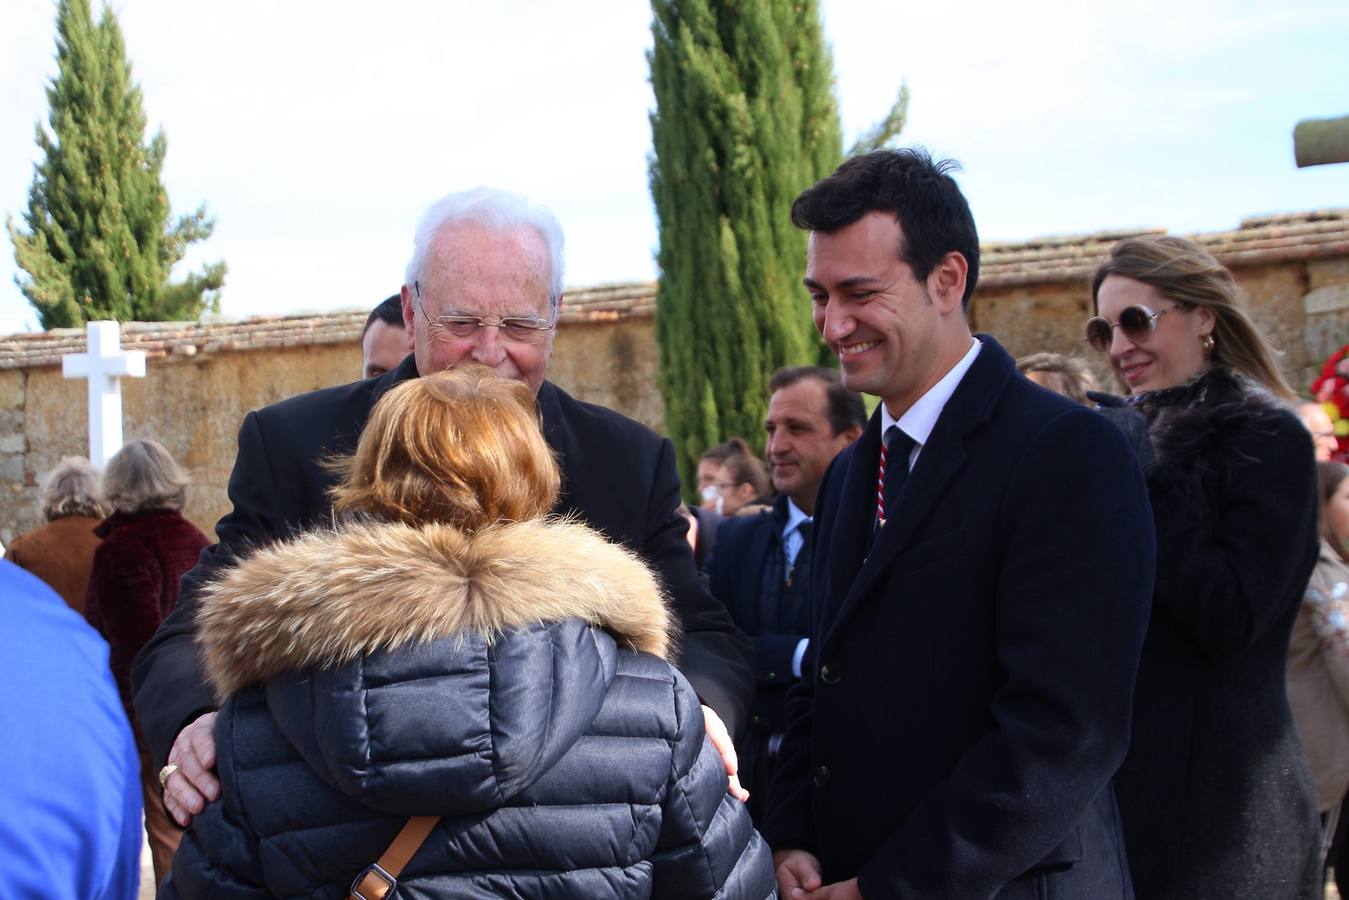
(1260, 239)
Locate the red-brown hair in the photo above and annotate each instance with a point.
(462, 447)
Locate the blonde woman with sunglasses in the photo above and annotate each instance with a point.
(1216, 796)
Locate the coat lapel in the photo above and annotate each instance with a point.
(555, 434)
(855, 514)
(940, 462)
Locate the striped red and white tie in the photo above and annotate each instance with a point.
(880, 489)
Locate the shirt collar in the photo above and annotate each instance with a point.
(921, 418)
(794, 517)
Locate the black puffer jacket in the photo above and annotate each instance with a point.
(496, 680)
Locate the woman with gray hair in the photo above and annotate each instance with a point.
(147, 546)
(61, 550)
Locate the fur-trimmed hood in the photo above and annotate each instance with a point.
(426, 668)
(326, 598)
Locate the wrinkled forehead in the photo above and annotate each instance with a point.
(475, 269)
(805, 398)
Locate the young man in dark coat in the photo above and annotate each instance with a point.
(760, 564)
(980, 592)
(484, 285)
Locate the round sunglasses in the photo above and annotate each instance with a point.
(1137, 323)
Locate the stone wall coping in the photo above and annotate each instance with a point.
(160, 340)
(1259, 240)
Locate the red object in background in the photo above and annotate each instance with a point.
(1331, 389)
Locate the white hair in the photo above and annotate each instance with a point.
(490, 208)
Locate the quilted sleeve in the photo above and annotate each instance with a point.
(708, 847)
(218, 857)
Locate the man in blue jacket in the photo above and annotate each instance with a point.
(984, 565)
(71, 826)
(760, 564)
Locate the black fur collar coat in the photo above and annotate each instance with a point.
(1215, 793)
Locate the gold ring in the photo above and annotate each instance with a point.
(165, 772)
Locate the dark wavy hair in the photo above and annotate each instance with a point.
(932, 212)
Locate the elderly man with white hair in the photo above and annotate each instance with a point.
(484, 285)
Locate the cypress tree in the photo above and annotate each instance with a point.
(99, 242)
(745, 120)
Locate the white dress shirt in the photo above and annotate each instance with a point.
(919, 420)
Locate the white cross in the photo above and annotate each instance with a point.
(104, 364)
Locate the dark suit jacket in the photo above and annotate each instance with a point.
(746, 572)
(974, 673)
(618, 476)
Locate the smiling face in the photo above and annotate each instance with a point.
(801, 440)
(1170, 355)
(893, 336)
(476, 271)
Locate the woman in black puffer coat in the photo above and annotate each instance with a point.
(450, 652)
(1215, 793)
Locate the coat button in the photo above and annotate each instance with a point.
(831, 673)
(822, 776)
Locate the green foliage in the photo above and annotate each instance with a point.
(880, 134)
(745, 120)
(99, 242)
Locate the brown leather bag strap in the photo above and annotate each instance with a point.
(377, 880)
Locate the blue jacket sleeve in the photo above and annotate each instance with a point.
(707, 847)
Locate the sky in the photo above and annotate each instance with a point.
(317, 131)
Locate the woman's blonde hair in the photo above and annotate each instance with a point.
(71, 489)
(462, 447)
(1187, 273)
(143, 476)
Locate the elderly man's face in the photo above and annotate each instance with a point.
(476, 271)
(1317, 420)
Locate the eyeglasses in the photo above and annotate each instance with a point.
(518, 329)
(1137, 323)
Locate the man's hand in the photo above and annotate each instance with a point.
(721, 739)
(839, 890)
(193, 785)
(798, 873)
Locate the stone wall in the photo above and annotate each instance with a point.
(193, 406)
(202, 379)
(614, 364)
(1302, 307)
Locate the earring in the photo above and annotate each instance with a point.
(1207, 343)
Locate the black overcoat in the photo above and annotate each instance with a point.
(974, 672)
(1216, 793)
(618, 476)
